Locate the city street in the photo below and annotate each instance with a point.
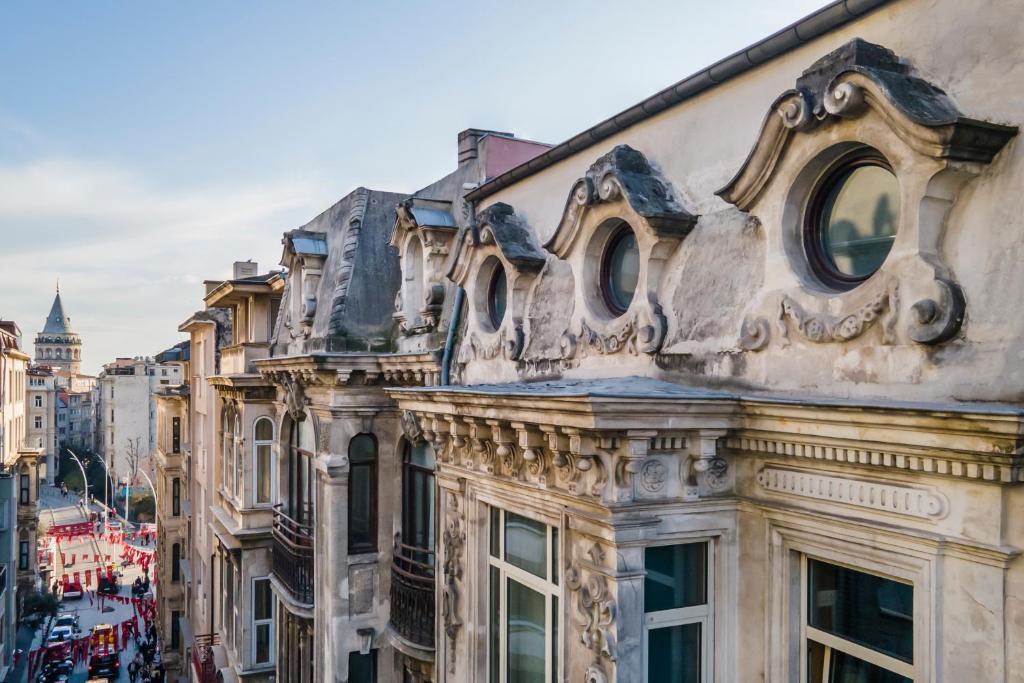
(80, 561)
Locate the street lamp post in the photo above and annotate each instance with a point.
(85, 480)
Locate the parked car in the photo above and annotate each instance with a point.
(107, 586)
(68, 619)
(59, 634)
(73, 591)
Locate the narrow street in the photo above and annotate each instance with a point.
(79, 558)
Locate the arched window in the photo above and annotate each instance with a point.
(229, 450)
(300, 470)
(236, 478)
(362, 494)
(58, 353)
(263, 467)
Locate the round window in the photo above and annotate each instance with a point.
(620, 269)
(497, 296)
(852, 220)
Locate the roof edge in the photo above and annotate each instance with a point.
(830, 17)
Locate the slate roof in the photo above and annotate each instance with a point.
(58, 321)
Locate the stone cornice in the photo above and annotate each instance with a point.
(351, 369)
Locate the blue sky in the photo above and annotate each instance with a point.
(146, 146)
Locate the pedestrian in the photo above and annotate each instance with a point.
(133, 671)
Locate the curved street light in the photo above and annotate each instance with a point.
(105, 472)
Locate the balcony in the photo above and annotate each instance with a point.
(292, 556)
(412, 595)
(238, 359)
(202, 658)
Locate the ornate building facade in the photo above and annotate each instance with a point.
(717, 390)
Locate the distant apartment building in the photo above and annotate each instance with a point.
(41, 419)
(127, 412)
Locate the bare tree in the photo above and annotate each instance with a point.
(133, 455)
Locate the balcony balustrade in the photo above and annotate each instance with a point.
(238, 359)
(412, 594)
(292, 556)
(202, 657)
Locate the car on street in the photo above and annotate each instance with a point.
(104, 662)
(73, 591)
(59, 634)
(67, 619)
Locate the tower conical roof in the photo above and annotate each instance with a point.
(57, 322)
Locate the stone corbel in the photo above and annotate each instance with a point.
(704, 464)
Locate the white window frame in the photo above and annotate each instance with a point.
(39, 401)
(255, 464)
(256, 623)
(546, 588)
(833, 642)
(697, 614)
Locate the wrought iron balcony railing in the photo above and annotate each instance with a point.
(412, 594)
(293, 556)
(202, 657)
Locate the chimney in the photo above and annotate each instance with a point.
(469, 142)
(245, 269)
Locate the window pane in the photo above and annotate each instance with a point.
(264, 430)
(362, 448)
(495, 623)
(422, 455)
(263, 600)
(674, 654)
(554, 639)
(867, 609)
(859, 220)
(676, 576)
(554, 555)
(848, 668)
(359, 506)
(527, 643)
(263, 474)
(526, 544)
(262, 643)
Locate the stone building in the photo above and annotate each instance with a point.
(126, 410)
(58, 345)
(209, 332)
(19, 490)
(717, 390)
(41, 400)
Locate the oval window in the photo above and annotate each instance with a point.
(852, 221)
(497, 296)
(620, 270)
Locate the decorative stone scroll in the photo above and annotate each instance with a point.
(912, 501)
(860, 95)
(595, 611)
(821, 328)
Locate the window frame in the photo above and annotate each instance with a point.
(268, 622)
(272, 470)
(821, 263)
(834, 642)
(551, 588)
(24, 554)
(175, 563)
(176, 497)
(492, 300)
(618, 233)
(698, 614)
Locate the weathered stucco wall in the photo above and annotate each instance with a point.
(971, 50)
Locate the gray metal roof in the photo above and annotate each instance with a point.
(309, 245)
(434, 218)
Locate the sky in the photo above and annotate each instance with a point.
(144, 147)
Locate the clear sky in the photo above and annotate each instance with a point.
(145, 146)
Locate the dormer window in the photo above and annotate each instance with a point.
(851, 220)
(620, 269)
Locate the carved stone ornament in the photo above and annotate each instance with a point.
(821, 328)
(294, 396)
(621, 186)
(454, 540)
(411, 427)
(498, 233)
(860, 95)
(595, 612)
